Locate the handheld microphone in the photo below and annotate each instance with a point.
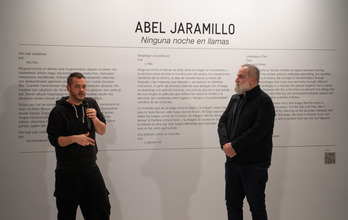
(85, 106)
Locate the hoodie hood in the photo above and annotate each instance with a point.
(62, 102)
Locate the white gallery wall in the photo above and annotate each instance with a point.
(162, 73)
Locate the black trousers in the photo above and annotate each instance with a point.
(246, 181)
(85, 190)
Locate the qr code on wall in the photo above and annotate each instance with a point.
(330, 157)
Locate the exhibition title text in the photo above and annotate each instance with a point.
(185, 28)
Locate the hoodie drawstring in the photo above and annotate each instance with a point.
(77, 116)
(83, 112)
(83, 115)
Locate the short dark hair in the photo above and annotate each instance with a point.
(73, 75)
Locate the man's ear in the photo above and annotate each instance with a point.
(68, 88)
(253, 80)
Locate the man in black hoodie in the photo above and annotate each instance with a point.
(245, 131)
(71, 129)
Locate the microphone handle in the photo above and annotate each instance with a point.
(89, 125)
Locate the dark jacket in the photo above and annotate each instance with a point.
(66, 119)
(251, 134)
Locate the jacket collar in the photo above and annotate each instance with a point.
(252, 93)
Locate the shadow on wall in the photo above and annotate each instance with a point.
(177, 173)
(104, 158)
(277, 174)
(23, 185)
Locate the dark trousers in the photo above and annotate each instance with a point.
(87, 191)
(246, 181)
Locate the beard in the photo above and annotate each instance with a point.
(77, 96)
(242, 89)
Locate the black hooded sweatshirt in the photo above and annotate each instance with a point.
(66, 119)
